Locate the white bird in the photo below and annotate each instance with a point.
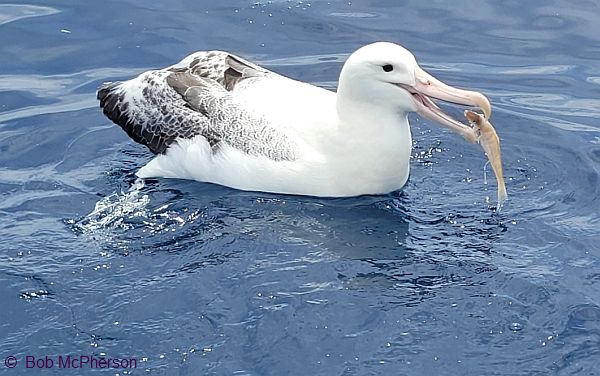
(215, 117)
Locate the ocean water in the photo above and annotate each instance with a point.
(188, 278)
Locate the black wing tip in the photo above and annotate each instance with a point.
(104, 91)
(116, 109)
(111, 103)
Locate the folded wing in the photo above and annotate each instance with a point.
(196, 97)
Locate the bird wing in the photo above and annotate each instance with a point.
(197, 97)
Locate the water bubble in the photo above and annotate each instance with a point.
(515, 326)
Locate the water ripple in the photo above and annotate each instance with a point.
(14, 12)
(195, 278)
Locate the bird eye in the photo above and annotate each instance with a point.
(388, 68)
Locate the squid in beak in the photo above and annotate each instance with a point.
(479, 130)
(490, 143)
(427, 87)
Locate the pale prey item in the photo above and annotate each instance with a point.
(490, 143)
(215, 117)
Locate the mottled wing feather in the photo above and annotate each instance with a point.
(222, 67)
(228, 119)
(239, 69)
(193, 98)
(149, 111)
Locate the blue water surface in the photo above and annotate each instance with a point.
(197, 279)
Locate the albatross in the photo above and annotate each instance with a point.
(216, 117)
